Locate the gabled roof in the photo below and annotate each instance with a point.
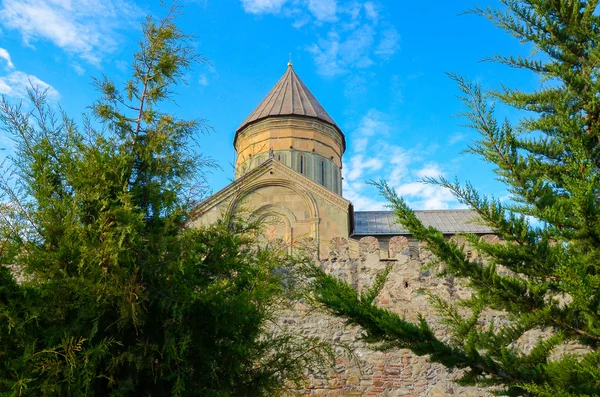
(271, 167)
(289, 97)
(447, 221)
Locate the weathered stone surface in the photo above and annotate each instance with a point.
(372, 373)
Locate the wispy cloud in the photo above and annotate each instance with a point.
(263, 6)
(355, 35)
(389, 43)
(203, 80)
(6, 57)
(85, 28)
(373, 123)
(326, 54)
(371, 11)
(356, 43)
(372, 157)
(323, 10)
(455, 138)
(16, 83)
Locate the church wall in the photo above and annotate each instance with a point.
(397, 372)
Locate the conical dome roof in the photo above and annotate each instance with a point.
(289, 97)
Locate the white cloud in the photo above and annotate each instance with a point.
(352, 40)
(371, 11)
(340, 53)
(323, 10)
(372, 157)
(325, 55)
(455, 138)
(398, 160)
(430, 170)
(389, 43)
(203, 80)
(78, 69)
(372, 123)
(360, 144)
(15, 84)
(427, 197)
(6, 56)
(85, 28)
(362, 202)
(263, 6)
(358, 165)
(355, 49)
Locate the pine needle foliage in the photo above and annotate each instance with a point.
(549, 161)
(104, 288)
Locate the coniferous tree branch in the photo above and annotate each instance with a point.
(104, 290)
(545, 273)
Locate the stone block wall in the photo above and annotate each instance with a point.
(392, 373)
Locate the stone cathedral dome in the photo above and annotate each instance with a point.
(291, 126)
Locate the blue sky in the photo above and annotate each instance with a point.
(378, 67)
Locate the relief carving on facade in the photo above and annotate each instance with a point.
(398, 245)
(368, 245)
(339, 248)
(490, 239)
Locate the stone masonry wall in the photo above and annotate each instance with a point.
(392, 373)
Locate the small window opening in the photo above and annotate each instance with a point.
(301, 164)
(323, 173)
(335, 180)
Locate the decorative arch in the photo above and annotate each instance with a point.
(397, 245)
(277, 222)
(339, 247)
(253, 186)
(368, 245)
(490, 239)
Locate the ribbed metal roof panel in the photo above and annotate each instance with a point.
(446, 221)
(290, 96)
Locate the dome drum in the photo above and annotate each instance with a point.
(291, 126)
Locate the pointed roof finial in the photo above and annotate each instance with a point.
(290, 62)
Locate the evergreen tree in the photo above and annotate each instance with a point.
(105, 289)
(550, 162)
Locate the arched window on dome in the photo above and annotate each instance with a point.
(322, 173)
(335, 181)
(301, 164)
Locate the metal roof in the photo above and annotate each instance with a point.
(289, 97)
(447, 221)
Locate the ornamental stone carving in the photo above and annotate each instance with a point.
(338, 248)
(368, 245)
(398, 245)
(490, 239)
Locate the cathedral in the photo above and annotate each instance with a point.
(289, 175)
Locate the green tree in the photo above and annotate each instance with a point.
(105, 289)
(550, 162)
